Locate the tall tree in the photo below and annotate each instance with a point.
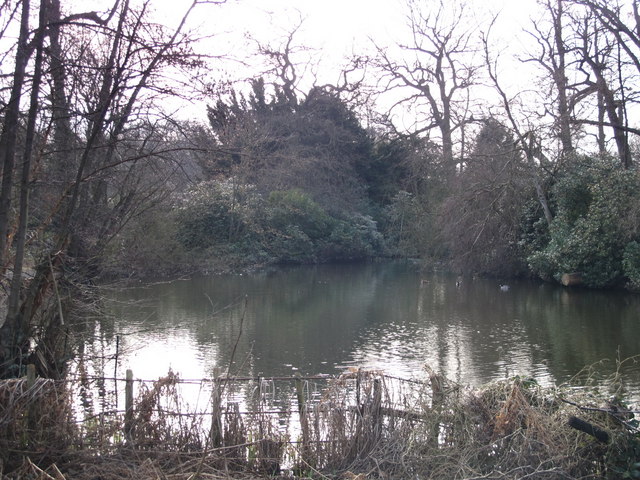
(108, 73)
(435, 74)
(315, 146)
(9, 136)
(607, 54)
(481, 216)
(524, 131)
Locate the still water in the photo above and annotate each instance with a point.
(386, 316)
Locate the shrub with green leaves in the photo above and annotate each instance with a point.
(631, 264)
(596, 219)
(294, 207)
(303, 232)
(216, 212)
(234, 222)
(353, 238)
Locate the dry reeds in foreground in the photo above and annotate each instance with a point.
(36, 421)
(358, 428)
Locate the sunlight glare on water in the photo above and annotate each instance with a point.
(382, 316)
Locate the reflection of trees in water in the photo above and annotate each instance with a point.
(311, 318)
(295, 318)
(579, 327)
(475, 332)
(561, 328)
(319, 319)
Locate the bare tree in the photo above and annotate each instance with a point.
(525, 135)
(106, 140)
(9, 136)
(481, 217)
(607, 54)
(436, 74)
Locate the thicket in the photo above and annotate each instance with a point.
(486, 219)
(595, 230)
(236, 222)
(359, 427)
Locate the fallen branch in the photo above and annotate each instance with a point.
(589, 429)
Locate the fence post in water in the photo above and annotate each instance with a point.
(128, 407)
(216, 411)
(302, 410)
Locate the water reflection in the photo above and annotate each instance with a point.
(323, 319)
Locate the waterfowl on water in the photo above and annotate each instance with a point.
(504, 288)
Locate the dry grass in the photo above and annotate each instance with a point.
(361, 427)
(36, 419)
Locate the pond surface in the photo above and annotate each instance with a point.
(387, 316)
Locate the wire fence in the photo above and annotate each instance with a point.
(263, 424)
(360, 421)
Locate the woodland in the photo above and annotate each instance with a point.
(473, 153)
(421, 149)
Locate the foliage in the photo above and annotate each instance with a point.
(595, 224)
(400, 220)
(217, 212)
(312, 144)
(480, 218)
(386, 169)
(294, 207)
(631, 263)
(159, 254)
(234, 221)
(353, 238)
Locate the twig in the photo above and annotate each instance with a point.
(589, 429)
(235, 346)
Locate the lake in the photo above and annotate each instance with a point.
(385, 316)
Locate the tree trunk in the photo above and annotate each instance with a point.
(602, 145)
(560, 79)
(16, 281)
(616, 121)
(9, 137)
(64, 161)
(447, 144)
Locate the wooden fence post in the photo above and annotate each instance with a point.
(128, 407)
(437, 402)
(32, 420)
(376, 409)
(216, 411)
(302, 410)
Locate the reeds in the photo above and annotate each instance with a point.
(359, 425)
(36, 417)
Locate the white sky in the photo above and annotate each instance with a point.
(331, 29)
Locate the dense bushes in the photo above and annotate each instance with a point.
(403, 224)
(480, 219)
(485, 218)
(237, 222)
(595, 228)
(631, 264)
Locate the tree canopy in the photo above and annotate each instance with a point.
(425, 147)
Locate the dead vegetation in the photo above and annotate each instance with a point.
(361, 425)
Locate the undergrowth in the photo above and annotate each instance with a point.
(359, 427)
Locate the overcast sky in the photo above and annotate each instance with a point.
(330, 30)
